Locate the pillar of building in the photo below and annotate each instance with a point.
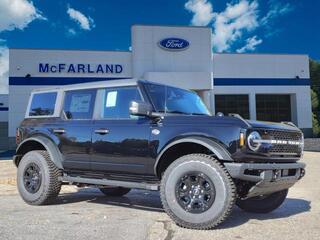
(252, 106)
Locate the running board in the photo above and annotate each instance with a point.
(106, 182)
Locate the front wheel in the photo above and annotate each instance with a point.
(264, 203)
(197, 192)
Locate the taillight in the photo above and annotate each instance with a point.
(18, 136)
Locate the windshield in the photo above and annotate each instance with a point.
(175, 100)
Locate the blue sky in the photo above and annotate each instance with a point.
(258, 26)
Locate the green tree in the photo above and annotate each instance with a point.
(315, 75)
(315, 96)
(314, 100)
(315, 125)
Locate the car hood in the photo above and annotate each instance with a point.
(272, 125)
(227, 120)
(204, 120)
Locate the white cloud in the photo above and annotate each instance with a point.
(202, 10)
(237, 21)
(14, 14)
(276, 9)
(251, 44)
(17, 14)
(86, 23)
(71, 32)
(233, 22)
(4, 69)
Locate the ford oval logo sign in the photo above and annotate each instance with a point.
(174, 44)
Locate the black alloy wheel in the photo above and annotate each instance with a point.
(195, 192)
(32, 178)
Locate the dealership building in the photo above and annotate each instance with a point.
(270, 87)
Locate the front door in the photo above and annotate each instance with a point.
(120, 142)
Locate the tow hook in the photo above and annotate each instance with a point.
(276, 174)
(302, 173)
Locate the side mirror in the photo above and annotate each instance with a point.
(138, 108)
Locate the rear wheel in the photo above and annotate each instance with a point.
(197, 192)
(37, 178)
(264, 203)
(115, 191)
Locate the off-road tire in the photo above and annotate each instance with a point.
(225, 191)
(50, 185)
(115, 191)
(263, 204)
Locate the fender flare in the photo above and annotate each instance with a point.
(213, 146)
(52, 149)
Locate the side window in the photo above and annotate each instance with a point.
(79, 104)
(117, 101)
(43, 104)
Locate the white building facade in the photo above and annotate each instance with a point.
(4, 144)
(263, 87)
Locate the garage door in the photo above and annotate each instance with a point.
(273, 107)
(232, 104)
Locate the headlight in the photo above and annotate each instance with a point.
(254, 141)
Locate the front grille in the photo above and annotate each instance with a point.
(285, 150)
(283, 135)
(282, 149)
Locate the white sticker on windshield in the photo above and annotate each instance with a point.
(111, 99)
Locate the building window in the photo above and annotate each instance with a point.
(233, 104)
(273, 107)
(43, 104)
(79, 104)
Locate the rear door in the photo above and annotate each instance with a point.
(75, 128)
(120, 142)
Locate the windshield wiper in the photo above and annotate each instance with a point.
(174, 111)
(202, 114)
(185, 113)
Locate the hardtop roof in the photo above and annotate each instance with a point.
(90, 85)
(99, 84)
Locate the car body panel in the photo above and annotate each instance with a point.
(272, 125)
(124, 149)
(75, 144)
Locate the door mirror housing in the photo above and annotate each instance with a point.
(139, 108)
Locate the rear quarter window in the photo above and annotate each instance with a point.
(43, 104)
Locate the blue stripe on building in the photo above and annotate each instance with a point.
(4, 109)
(217, 81)
(261, 82)
(56, 80)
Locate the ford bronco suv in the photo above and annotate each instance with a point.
(134, 134)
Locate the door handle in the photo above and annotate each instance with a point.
(59, 131)
(101, 131)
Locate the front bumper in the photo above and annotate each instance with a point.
(266, 178)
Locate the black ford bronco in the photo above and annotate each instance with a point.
(125, 134)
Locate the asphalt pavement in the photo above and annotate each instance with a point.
(87, 214)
